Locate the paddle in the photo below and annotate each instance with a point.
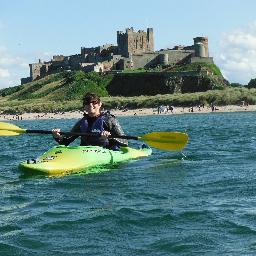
(159, 140)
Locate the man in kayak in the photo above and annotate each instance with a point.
(94, 121)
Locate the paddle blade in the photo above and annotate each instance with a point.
(7, 129)
(166, 140)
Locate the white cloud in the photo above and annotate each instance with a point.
(237, 54)
(12, 68)
(4, 73)
(7, 59)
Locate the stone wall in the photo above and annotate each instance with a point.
(143, 60)
(199, 59)
(58, 58)
(25, 80)
(177, 56)
(153, 59)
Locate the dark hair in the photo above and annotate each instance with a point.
(89, 97)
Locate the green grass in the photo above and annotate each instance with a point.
(194, 66)
(228, 96)
(61, 86)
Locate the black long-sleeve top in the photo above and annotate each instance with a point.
(110, 123)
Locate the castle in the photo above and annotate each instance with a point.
(134, 50)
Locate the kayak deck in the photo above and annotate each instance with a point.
(66, 159)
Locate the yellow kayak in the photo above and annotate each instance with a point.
(68, 159)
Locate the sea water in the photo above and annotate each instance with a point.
(198, 202)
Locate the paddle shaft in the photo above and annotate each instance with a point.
(82, 134)
(159, 140)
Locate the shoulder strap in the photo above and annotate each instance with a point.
(84, 125)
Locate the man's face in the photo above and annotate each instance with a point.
(92, 108)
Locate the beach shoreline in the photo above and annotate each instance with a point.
(131, 112)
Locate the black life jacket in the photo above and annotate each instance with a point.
(97, 128)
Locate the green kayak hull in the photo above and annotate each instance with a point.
(68, 159)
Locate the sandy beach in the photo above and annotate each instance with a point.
(132, 112)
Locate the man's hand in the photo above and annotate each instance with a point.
(56, 133)
(105, 134)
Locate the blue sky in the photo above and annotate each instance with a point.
(38, 29)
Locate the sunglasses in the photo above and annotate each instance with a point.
(94, 102)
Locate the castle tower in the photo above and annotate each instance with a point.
(199, 50)
(36, 70)
(204, 41)
(132, 42)
(150, 40)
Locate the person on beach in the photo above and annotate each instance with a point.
(104, 125)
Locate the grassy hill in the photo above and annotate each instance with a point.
(61, 86)
(64, 91)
